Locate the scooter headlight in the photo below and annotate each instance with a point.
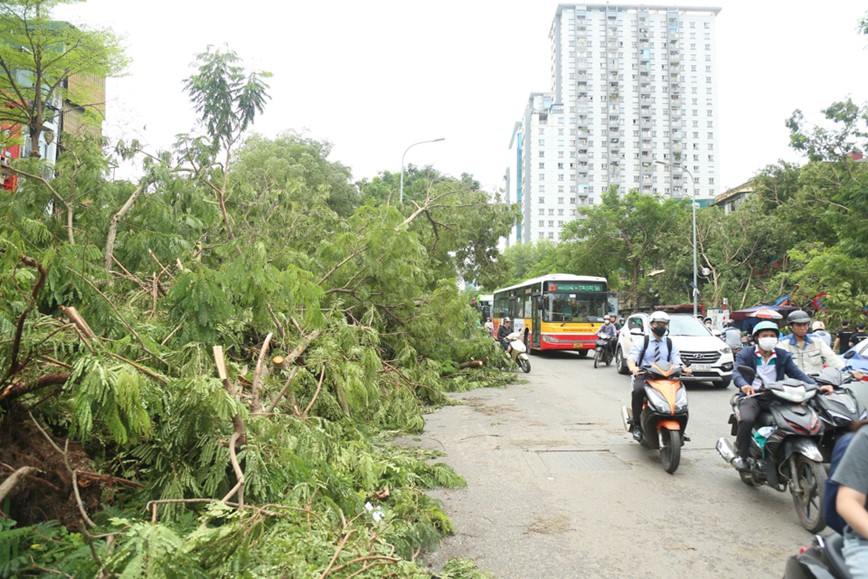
(681, 400)
(657, 401)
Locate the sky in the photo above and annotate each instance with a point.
(373, 77)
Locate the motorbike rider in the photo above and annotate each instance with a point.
(658, 349)
(732, 337)
(810, 353)
(770, 364)
(607, 331)
(503, 331)
(818, 328)
(852, 476)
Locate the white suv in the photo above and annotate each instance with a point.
(708, 357)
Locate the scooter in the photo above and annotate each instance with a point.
(664, 413)
(603, 351)
(822, 558)
(518, 351)
(784, 449)
(838, 410)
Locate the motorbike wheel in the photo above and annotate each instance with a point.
(525, 365)
(808, 493)
(598, 355)
(608, 357)
(670, 452)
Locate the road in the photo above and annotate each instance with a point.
(557, 488)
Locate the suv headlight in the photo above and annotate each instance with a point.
(726, 350)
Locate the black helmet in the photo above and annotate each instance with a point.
(799, 317)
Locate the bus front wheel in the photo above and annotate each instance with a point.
(583, 353)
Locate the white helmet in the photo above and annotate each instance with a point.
(505, 320)
(659, 316)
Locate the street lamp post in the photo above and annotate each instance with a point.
(693, 207)
(401, 189)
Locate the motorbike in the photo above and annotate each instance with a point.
(822, 558)
(518, 351)
(838, 410)
(664, 413)
(603, 353)
(784, 449)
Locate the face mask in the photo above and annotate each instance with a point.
(768, 344)
(658, 331)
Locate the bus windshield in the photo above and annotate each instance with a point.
(574, 307)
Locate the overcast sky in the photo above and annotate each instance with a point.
(372, 77)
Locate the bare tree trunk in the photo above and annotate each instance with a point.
(113, 227)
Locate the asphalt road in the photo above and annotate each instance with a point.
(557, 488)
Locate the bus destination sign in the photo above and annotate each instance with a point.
(575, 287)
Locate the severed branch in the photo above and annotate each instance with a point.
(257, 375)
(283, 390)
(18, 389)
(293, 356)
(220, 362)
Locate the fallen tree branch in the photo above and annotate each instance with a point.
(257, 374)
(73, 472)
(18, 389)
(293, 356)
(14, 365)
(13, 479)
(283, 390)
(237, 422)
(239, 474)
(267, 509)
(113, 225)
(315, 394)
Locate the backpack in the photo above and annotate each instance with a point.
(645, 347)
(830, 512)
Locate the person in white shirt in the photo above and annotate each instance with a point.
(818, 329)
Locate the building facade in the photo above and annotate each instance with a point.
(633, 103)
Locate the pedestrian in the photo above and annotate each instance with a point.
(858, 335)
(842, 341)
(489, 327)
(818, 328)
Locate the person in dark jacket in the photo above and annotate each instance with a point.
(770, 364)
(503, 331)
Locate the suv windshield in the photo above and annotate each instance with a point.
(686, 325)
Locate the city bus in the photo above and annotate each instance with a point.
(558, 311)
(483, 305)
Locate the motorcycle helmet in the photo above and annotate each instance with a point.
(818, 325)
(659, 317)
(765, 326)
(798, 317)
(505, 320)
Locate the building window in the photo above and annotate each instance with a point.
(542, 200)
(542, 165)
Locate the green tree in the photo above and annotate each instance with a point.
(38, 55)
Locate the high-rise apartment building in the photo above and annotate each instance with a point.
(633, 103)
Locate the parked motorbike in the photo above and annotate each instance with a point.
(518, 351)
(822, 558)
(664, 413)
(784, 449)
(603, 351)
(838, 410)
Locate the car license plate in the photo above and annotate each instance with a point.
(700, 367)
(577, 345)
